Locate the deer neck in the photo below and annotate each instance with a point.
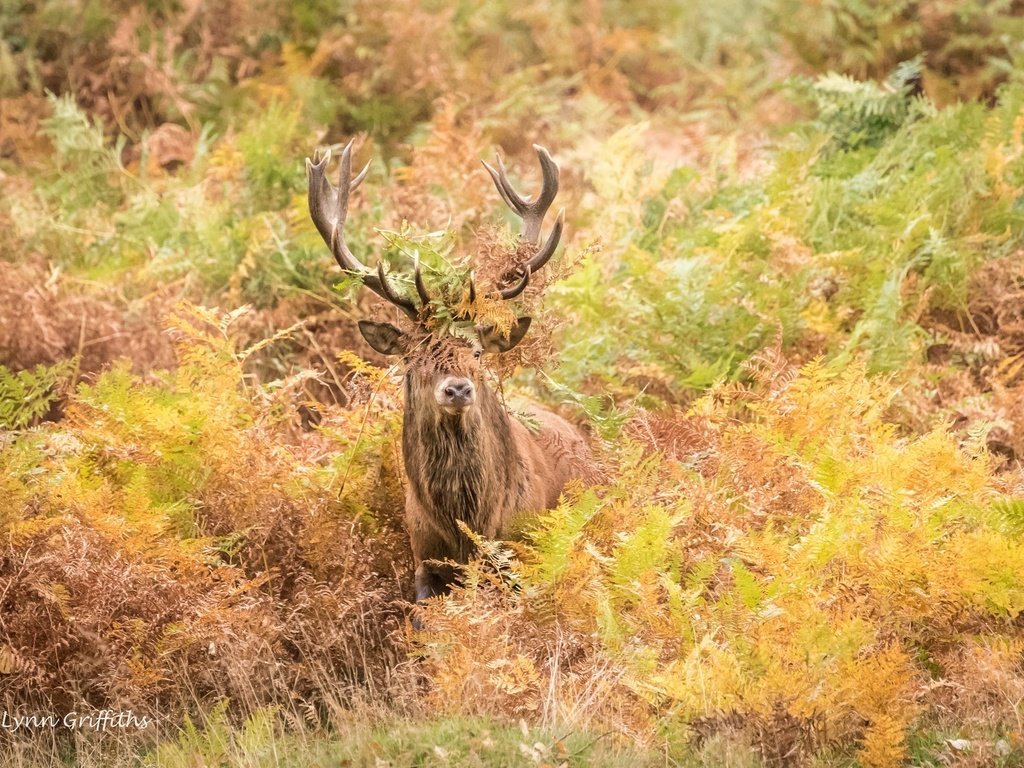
(464, 467)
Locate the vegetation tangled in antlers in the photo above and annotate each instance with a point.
(328, 206)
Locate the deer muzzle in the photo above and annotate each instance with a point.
(455, 394)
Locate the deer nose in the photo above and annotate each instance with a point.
(462, 390)
(456, 392)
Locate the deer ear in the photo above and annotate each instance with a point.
(491, 341)
(383, 337)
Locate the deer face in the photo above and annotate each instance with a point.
(445, 371)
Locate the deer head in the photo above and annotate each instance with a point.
(441, 366)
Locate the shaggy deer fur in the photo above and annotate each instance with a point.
(475, 464)
(466, 459)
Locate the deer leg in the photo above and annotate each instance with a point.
(432, 552)
(434, 577)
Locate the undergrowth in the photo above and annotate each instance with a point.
(178, 542)
(873, 216)
(789, 305)
(775, 561)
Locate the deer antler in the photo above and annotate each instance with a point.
(532, 213)
(328, 207)
(505, 293)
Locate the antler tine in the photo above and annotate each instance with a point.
(543, 256)
(532, 212)
(469, 311)
(515, 290)
(508, 194)
(387, 292)
(421, 289)
(328, 207)
(359, 178)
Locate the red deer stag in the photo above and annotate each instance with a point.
(465, 457)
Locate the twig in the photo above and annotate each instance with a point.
(362, 426)
(81, 346)
(326, 360)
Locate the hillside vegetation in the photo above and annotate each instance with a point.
(789, 309)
